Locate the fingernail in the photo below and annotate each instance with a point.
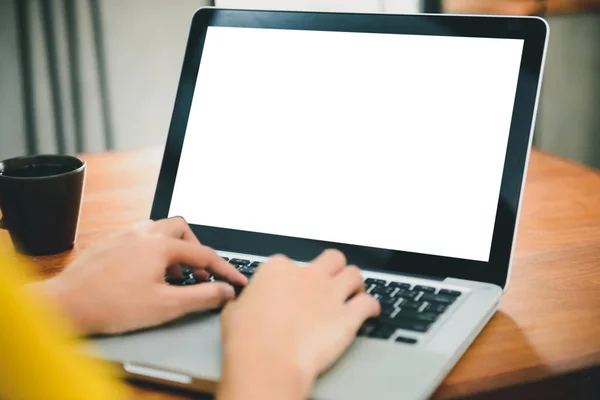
(228, 291)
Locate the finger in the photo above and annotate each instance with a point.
(201, 297)
(175, 227)
(228, 272)
(277, 262)
(174, 271)
(200, 274)
(196, 255)
(279, 259)
(330, 261)
(355, 312)
(349, 282)
(358, 309)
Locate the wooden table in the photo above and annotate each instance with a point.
(544, 342)
(519, 7)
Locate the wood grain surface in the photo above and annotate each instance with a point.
(519, 7)
(544, 342)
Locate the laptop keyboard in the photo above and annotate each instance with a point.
(404, 307)
(407, 307)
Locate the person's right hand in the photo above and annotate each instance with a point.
(289, 325)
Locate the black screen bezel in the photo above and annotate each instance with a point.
(532, 30)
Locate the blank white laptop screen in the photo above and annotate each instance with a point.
(388, 141)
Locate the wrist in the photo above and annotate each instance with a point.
(67, 303)
(262, 374)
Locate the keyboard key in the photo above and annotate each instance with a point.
(412, 325)
(438, 298)
(422, 288)
(362, 331)
(247, 269)
(436, 308)
(407, 294)
(369, 326)
(225, 258)
(400, 285)
(407, 340)
(383, 332)
(187, 277)
(372, 281)
(387, 310)
(382, 290)
(386, 320)
(239, 261)
(411, 305)
(186, 271)
(175, 281)
(238, 290)
(387, 300)
(190, 280)
(415, 315)
(454, 293)
(255, 264)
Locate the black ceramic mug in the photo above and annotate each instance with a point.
(40, 199)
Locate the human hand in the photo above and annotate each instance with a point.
(289, 325)
(118, 283)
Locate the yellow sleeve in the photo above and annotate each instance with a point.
(38, 350)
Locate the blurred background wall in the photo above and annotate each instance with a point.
(90, 75)
(569, 119)
(100, 73)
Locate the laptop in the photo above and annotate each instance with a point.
(401, 140)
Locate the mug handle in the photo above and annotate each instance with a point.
(2, 226)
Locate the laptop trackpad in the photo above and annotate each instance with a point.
(391, 370)
(190, 345)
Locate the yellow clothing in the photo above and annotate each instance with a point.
(38, 350)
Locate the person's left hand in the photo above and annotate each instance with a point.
(118, 284)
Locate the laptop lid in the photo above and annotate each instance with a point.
(401, 140)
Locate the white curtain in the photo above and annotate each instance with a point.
(61, 58)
